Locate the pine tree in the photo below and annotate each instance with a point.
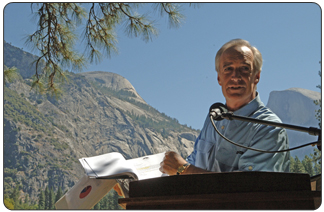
(115, 197)
(316, 159)
(97, 206)
(15, 195)
(104, 203)
(298, 166)
(51, 199)
(318, 102)
(9, 74)
(59, 194)
(307, 163)
(41, 200)
(292, 165)
(47, 194)
(26, 201)
(55, 37)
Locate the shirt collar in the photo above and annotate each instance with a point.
(248, 109)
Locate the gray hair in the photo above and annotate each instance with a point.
(257, 62)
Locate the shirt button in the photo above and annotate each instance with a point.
(222, 127)
(250, 168)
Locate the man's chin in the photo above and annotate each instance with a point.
(235, 96)
(235, 92)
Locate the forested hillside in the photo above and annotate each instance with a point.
(98, 112)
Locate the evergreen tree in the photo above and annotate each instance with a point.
(298, 166)
(59, 194)
(292, 165)
(47, 194)
(317, 159)
(26, 201)
(318, 102)
(97, 206)
(104, 203)
(9, 74)
(115, 197)
(41, 200)
(307, 163)
(15, 195)
(51, 199)
(108, 202)
(55, 37)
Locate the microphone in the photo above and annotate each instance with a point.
(216, 111)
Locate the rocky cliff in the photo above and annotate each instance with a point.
(99, 112)
(296, 106)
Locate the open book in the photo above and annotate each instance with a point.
(102, 174)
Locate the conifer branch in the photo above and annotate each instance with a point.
(55, 37)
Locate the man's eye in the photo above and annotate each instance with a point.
(228, 69)
(245, 68)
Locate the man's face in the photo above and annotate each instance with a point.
(237, 76)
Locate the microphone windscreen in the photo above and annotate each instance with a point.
(218, 108)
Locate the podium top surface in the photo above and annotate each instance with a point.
(226, 182)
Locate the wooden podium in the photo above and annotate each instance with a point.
(231, 190)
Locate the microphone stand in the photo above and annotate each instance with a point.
(311, 130)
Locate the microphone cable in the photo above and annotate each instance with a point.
(258, 150)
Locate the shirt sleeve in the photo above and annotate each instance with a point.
(271, 139)
(192, 157)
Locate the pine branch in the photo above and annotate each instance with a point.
(55, 36)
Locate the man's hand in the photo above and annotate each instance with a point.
(171, 162)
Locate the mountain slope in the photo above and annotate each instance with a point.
(296, 106)
(99, 112)
(112, 81)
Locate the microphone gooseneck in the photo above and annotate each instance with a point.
(219, 111)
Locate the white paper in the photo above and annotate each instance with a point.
(108, 165)
(112, 166)
(148, 166)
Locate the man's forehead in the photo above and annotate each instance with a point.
(238, 49)
(237, 52)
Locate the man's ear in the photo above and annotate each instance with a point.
(219, 81)
(257, 78)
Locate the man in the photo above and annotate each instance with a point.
(238, 66)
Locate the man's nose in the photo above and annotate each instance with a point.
(236, 73)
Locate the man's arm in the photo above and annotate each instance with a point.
(172, 161)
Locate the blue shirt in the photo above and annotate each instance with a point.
(213, 153)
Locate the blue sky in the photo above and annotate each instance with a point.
(175, 72)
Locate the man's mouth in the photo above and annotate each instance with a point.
(235, 87)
